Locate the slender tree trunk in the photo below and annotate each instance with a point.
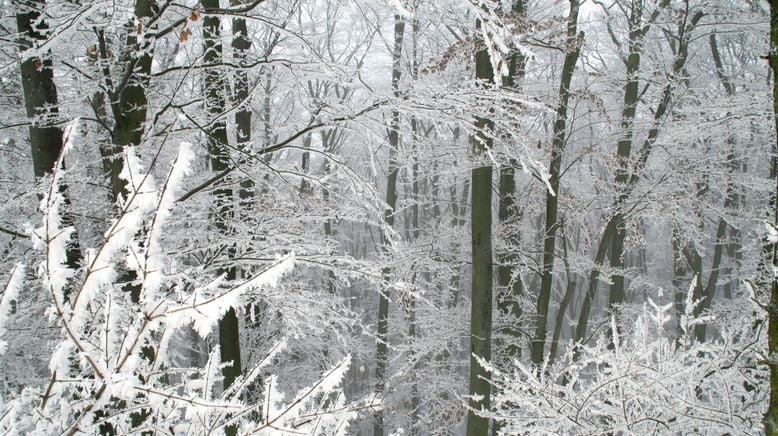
(635, 172)
(41, 105)
(509, 284)
(729, 203)
(637, 32)
(213, 86)
(594, 277)
(306, 188)
(40, 92)
(391, 200)
(130, 105)
(329, 141)
(415, 232)
(266, 116)
(100, 111)
(241, 45)
(771, 415)
(572, 50)
(612, 242)
(566, 299)
(458, 207)
(481, 241)
(679, 275)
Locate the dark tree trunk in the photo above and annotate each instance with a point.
(130, 102)
(563, 305)
(509, 284)
(40, 93)
(572, 50)
(41, 104)
(679, 276)
(213, 87)
(730, 200)
(391, 200)
(637, 165)
(481, 241)
(241, 45)
(771, 415)
(415, 232)
(637, 32)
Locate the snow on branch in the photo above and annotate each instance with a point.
(645, 383)
(207, 304)
(7, 299)
(111, 361)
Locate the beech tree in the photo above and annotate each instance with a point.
(771, 415)
(41, 105)
(391, 201)
(481, 241)
(40, 92)
(572, 48)
(276, 197)
(626, 179)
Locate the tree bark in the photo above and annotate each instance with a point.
(130, 101)
(719, 243)
(41, 105)
(679, 275)
(637, 32)
(391, 201)
(509, 284)
(415, 232)
(566, 299)
(572, 50)
(481, 241)
(40, 92)
(771, 415)
(213, 87)
(637, 166)
(241, 45)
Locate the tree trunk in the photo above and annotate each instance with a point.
(679, 275)
(213, 87)
(130, 103)
(415, 198)
(572, 50)
(481, 241)
(40, 93)
(41, 105)
(458, 206)
(329, 142)
(594, 277)
(771, 415)
(637, 32)
(729, 202)
(306, 188)
(636, 170)
(241, 45)
(509, 284)
(391, 200)
(566, 299)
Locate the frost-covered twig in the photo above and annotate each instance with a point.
(7, 299)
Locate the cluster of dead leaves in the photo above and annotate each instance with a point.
(186, 32)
